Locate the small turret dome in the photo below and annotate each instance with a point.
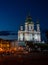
(37, 21)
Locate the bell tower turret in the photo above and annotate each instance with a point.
(38, 26)
(38, 32)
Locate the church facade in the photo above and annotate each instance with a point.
(28, 32)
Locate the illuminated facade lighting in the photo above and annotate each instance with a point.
(29, 33)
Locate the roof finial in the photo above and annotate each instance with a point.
(37, 21)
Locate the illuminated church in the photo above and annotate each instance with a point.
(28, 32)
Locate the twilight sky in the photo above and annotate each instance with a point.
(13, 14)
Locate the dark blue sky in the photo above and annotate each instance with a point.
(13, 14)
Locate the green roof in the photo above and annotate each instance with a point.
(21, 43)
(29, 19)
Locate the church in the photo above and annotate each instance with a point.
(28, 31)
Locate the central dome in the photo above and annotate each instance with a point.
(29, 19)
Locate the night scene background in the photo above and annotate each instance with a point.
(14, 12)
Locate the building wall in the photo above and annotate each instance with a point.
(29, 36)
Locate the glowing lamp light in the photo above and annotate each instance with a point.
(15, 49)
(1, 49)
